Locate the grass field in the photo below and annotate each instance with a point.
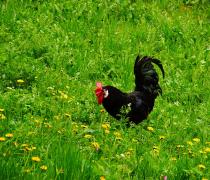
(51, 55)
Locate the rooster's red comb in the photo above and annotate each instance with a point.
(99, 85)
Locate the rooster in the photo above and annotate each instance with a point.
(137, 105)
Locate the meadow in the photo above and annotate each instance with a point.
(52, 53)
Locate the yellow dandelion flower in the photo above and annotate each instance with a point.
(105, 126)
(197, 140)
(27, 148)
(156, 151)
(67, 115)
(36, 159)
(173, 159)
(151, 129)
(95, 145)
(2, 116)
(201, 167)
(43, 168)
(9, 135)
(2, 139)
(155, 147)
(204, 178)
(24, 145)
(1, 110)
(107, 131)
(207, 150)
(88, 136)
(162, 137)
(84, 126)
(128, 153)
(20, 81)
(102, 178)
(190, 143)
(118, 135)
(102, 110)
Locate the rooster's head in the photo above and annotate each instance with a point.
(100, 92)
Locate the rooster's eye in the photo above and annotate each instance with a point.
(106, 93)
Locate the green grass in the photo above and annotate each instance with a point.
(61, 48)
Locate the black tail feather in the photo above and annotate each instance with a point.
(159, 64)
(146, 77)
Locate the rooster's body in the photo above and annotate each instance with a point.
(138, 104)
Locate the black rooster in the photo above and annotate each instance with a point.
(138, 104)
